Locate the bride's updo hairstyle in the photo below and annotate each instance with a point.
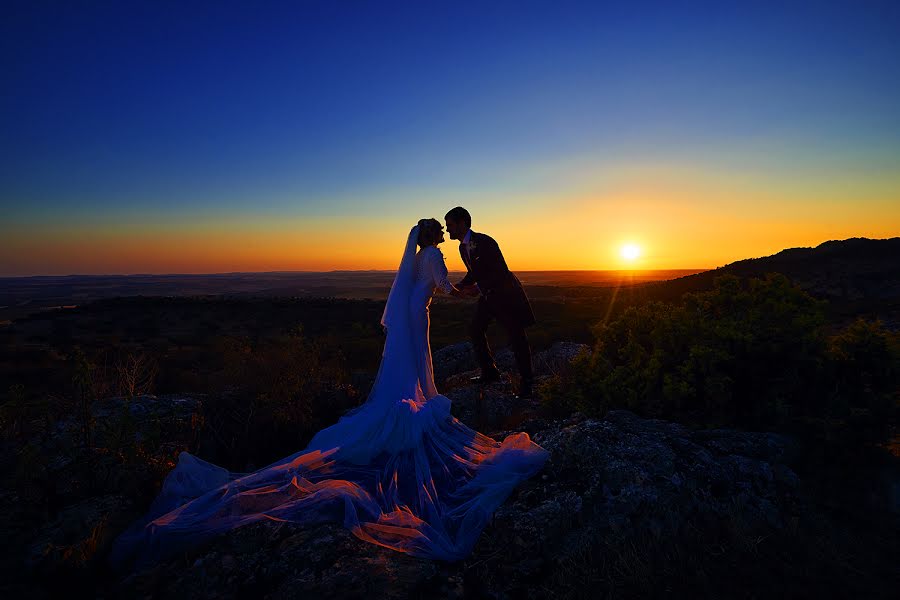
(429, 232)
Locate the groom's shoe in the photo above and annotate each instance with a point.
(486, 378)
(526, 391)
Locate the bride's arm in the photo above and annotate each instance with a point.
(439, 274)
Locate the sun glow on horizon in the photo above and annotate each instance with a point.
(630, 252)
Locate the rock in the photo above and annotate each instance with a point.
(72, 501)
(632, 477)
(290, 561)
(79, 536)
(621, 477)
(506, 360)
(762, 445)
(453, 359)
(557, 357)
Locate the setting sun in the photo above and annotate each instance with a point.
(630, 251)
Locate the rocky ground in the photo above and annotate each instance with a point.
(618, 477)
(624, 507)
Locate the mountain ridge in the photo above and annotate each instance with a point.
(854, 269)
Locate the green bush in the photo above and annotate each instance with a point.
(752, 353)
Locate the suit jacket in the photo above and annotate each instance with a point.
(499, 286)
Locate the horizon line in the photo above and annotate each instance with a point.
(341, 271)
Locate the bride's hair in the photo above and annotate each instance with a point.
(429, 232)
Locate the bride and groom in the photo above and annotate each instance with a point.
(399, 470)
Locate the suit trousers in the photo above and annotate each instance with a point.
(487, 311)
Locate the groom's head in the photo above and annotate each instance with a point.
(459, 221)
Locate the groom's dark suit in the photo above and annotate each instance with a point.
(502, 298)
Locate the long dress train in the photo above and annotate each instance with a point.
(399, 470)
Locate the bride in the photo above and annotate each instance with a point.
(398, 471)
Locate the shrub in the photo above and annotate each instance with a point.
(745, 352)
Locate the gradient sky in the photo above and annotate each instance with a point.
(190, 137)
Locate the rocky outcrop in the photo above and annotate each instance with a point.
(291, 561)
(632, 477)
(617, 476)
(62, 513)
(449, 360)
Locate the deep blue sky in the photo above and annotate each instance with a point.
(174, 110)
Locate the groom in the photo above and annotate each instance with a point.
(501, 297)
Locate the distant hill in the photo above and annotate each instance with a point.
(859, 276)
(851, 269)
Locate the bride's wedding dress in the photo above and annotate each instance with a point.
(398, 470)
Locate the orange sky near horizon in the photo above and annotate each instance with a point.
(677, 222)
(305, 250)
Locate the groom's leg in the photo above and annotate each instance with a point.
(478, 334)
(518, 340)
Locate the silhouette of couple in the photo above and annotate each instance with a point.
(399, 470)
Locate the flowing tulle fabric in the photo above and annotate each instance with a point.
(398, 471)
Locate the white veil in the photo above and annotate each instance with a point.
(396, 310)
(365, 431)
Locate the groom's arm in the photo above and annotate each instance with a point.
(468, 280)
(467, 286)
